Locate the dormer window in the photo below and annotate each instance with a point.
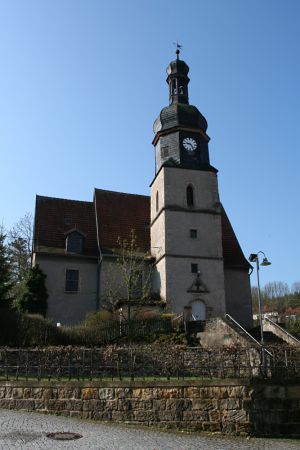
(74, 242)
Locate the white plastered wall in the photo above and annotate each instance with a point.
(69, 308)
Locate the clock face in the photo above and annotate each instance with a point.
(189, 144)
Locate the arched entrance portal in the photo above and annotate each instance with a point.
(198, 310)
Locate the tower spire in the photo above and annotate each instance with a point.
(178, 79)
(178, 47)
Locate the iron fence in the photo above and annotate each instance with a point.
(149, 362)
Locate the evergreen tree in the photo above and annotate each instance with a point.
(34, 298)
(5, 275)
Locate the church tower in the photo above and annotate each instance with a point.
(186, 228)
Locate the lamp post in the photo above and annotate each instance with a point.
(254, 257)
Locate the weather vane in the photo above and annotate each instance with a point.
(178, 47)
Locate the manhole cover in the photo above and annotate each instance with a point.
(64, 436)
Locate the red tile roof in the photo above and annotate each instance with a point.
(232, 252)
(54, 217)
(117, 214)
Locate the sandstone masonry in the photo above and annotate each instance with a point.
(229, 406)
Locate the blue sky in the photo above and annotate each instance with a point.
(81, 83)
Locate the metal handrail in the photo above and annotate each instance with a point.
(248, 334)
(177, 317)
(282, 329)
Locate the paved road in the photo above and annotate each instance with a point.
(22, 431)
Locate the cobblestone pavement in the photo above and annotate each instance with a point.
(22, 431)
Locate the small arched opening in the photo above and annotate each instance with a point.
(190, 195)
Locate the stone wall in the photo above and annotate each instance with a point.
(229, 406)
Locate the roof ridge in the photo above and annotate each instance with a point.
(121, 193)
(60, 198)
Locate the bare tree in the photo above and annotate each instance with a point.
(19, 245)
(129, 280)
(295, 289)
(276, 289)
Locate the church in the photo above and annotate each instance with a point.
(182, 227)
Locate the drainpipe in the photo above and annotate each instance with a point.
(99, 263)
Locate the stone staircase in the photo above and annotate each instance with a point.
(225, 331)
(269, 337)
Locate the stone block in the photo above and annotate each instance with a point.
(47, 394)
(211, 426)
(214, 415)
(76, 414)
(7, 403)
(27, 405)
(228, 427)
(107, 393)
(111, 405)
(235, 416)
(247, 404)
(17, 393)
(124, 405)
(26, 393)
(229, 403)
(8, 392)
(236, 391)
(123, 392)
(276, 417)
(219, 392)
(206, 392)
(2, 392)
(275, 392)
(159, 405)
(56, 405)
(37, 393)
(65, 393)
(178, 404)
(171, 393)
(142, 405)
(200, 416)
(144, 393)
(101, 415)
(55, 393)
(293, 391)
(145, 416)
(191, 392)
(121, 416)
(169, 415)
(244, 427)
(39, 405)
(286, 429)
(294, 416)
(74, 405)
(89, 393)
(206, 404)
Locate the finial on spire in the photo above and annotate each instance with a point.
(178, 47)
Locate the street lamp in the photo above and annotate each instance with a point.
(254, 257)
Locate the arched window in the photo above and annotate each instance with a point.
(74, 242)
(157, 201)
(190, 195)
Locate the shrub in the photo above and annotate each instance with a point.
(10, 324)
(35, 330)
(99, 319)
(34, 298)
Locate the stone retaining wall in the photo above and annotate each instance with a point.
(229, 406)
